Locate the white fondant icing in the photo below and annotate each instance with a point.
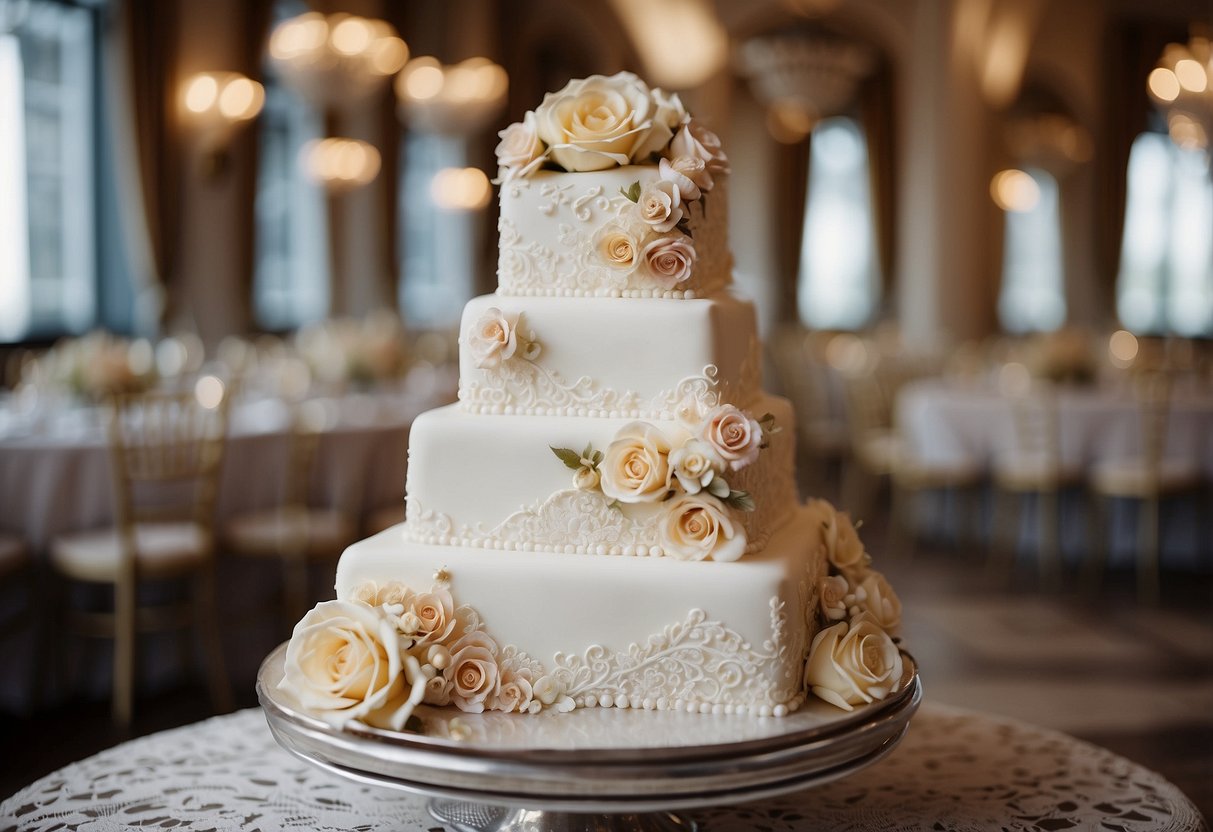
(476, 480)
(547, 225)
(597, 357)
(611, 629)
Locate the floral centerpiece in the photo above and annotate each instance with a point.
(359, 351)
(99, 364)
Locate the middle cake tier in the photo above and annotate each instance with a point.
(494, 482)
(624, 357)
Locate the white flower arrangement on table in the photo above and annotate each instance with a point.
(375, 657)
(854, 658)
(97, 365)
(362, 351)
(685, 473)
(602, 122)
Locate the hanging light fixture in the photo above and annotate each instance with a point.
(336, 60)
(1182, 88)
(459, 99)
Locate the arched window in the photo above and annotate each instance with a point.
(839, 271)
(1032, 298)
(291, 268)
(1165, 283)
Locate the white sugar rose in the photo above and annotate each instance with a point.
(600, 122)
(435, 616)
(880, 602)
(853, 664)
(551, 692)
(660, 205)
(520, 150)
(833, 592)
(683, 176)
(343, 662)
(494, 338)
(734, 435)
(636, 466)
(697, 526)
(473, 672)
(669, 261)
(617, 247)
(586, 479)
(844, 548)
(698, 142)
(515, 694)
(670, 110)
(695, 465)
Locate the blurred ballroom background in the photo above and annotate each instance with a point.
(979, 234)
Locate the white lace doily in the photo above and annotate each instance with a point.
(955, 770)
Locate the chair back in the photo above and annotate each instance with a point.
(1152, 391)
(166, 449)
(1036, 425)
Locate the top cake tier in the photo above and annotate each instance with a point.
(611, 189)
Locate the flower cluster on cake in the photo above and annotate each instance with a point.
(662, 560)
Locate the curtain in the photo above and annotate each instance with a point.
(876, 110)
(791, 189)
(1131, 50)
(141, 59)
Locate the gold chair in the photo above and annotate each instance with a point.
(1033, 468)
(166, 450)
(294, 532)
(1146, 478)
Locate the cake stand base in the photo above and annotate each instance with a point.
(463, 816)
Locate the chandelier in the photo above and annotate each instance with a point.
(336, 60)
(1182, 88)
(459, 99)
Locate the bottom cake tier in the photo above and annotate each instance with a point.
(626, 632)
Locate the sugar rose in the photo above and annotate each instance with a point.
(734, 435)
(494, 338)
(515, 694)
(599, 122)
(880, 602)
(586, 479)
(833, 592)
(697, 526)
(636, 466)
(683, 176)
(617, 247)
(844, 548)
(853, 664)
(695, 465)
(660, 205)
(343, 662)
(435, 616)
(698, 142)
(473, 673)
(669, 260)
(520, 150)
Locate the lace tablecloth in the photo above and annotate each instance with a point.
(956, 770)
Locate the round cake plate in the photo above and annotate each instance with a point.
(594, 768)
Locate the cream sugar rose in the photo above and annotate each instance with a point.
(608, 517)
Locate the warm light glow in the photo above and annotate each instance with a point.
(1163, 84)
(460, 189)
(789, 121)
(340, 164)
(682, 61)
(1187, 132)
(171, 356)
(847, 353)
(209, 391)
(387, 55)
(351, 36)
(1014, 190)
(241, 99)
(1191, 75)
(200, 93)
(139, 356)
(423, 80)
(1122, 348)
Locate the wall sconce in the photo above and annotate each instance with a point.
(459, 99)
(340, 165)
(460, 189)
(216, 104)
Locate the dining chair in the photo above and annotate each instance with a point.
(166, 450)
(822, 439)
(1145, 479)
(295, 532)
(1032, 468)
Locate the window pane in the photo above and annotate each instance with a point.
(1032, 298)
(838, 267)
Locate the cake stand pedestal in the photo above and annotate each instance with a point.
(594, 769)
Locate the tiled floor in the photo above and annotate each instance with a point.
(1137, 681)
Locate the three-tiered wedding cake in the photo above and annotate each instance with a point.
(608, 516)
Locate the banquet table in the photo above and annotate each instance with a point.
(57, 480)
(955, 770)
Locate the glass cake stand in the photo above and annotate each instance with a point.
(593, 769)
